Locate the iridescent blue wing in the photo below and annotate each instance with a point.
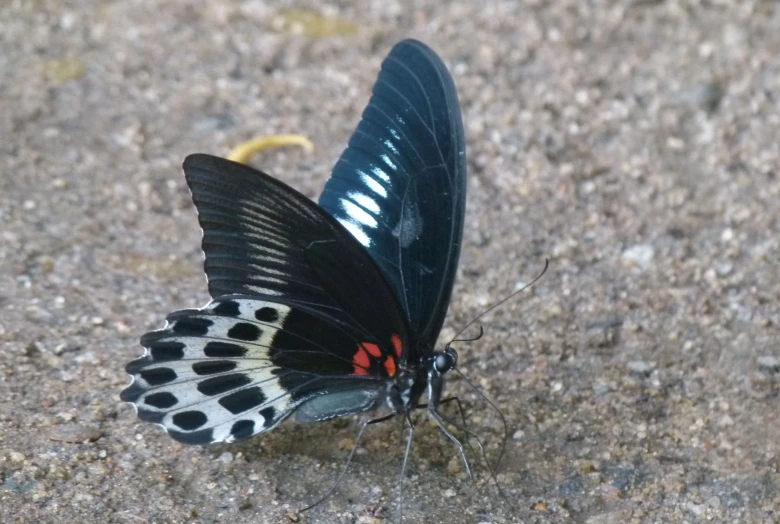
(400, 186)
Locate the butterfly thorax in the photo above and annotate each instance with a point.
(405, 391)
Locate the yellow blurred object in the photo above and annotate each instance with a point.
(243, 152)
(62, 70)
(311, 24)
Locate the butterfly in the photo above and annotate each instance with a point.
(321, 310)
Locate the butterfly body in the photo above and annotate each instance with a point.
(321, 310)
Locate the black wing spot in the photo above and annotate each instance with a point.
(268, 414)
(228, 308)
(162, 351)
(158, 376)
(212, 368)
(245, 331)
(190, 420)
(224, 350)
(192, 326)
(243, 429)
(218, 385)
(161, 400)
(243, 400)
(267, 314)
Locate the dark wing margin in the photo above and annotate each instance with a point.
(400, 186)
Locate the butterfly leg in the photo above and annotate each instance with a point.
(349, 459)
(394, 454)
(440, 420)
(463, 428)
(403, 467)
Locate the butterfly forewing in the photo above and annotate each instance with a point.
(400, 186)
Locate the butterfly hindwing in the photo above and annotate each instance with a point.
(241, 365)
(400, 186)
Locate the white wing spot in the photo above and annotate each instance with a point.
(358, 233)
(386, 160)
(365, 201)
(381, 174)
(358, 213)
(265, 290)
(373, 185)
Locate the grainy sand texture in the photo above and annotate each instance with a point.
(635, 143)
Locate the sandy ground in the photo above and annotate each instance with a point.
(634, 143)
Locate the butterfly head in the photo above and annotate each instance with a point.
(445, 360)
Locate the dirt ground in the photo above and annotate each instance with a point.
(635, 144)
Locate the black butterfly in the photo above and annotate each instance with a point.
(321, 310)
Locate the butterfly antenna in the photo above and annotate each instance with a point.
(481, 332)
(500, 302)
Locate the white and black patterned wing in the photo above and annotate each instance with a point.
(241, 365)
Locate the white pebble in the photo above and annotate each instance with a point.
(641, 255)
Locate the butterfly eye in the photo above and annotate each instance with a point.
(446, 360)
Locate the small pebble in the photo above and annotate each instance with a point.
(75, 433)
(640, 255)
(705, 95)
(33, 349)
(769, 363)
(39, 315)
(346, 444)
(226, 457)
(640, 367)
(724, 269)
(696, 509)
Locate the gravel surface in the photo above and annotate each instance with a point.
(633, 143)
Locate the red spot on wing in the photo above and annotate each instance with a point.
(397, 345)
(361, 361)
(368, 352)
(390, 366)
(372, 349)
